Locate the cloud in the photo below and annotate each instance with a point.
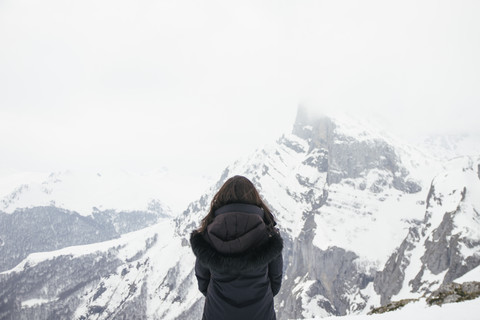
(147, 83)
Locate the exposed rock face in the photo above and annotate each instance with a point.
(58, 291)
(389, 281)
(330, 275)
(454, 292)
(392, 306)
(127, 221)
(318, 131)
(350, 157)
(445, 241)
(447, 293)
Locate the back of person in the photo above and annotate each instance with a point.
(239, 261)
(242, 296)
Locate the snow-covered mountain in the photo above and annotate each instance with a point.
(86, 192)
(74, 208)
(366, 219)
(446, 243)
(43, 212)
(449, 146)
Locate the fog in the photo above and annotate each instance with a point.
(194, 85)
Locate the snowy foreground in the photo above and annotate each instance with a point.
(468, 310)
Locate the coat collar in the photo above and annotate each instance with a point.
(253, 258)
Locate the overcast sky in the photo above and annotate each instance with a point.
(193, 85)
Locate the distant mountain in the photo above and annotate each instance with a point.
(449, 146)
(49, 228)
(86, 192)
(74, 208)
(366, 219)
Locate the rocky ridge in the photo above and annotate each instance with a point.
(446, 293)
(445, 244)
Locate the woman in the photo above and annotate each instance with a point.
(239, 255)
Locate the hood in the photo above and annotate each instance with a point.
(255, 257)
(237, 240)
(236, 228)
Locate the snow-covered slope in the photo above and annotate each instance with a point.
(138, 276)
(10, 180)
(468, 310)
(446, 243)
(73, 208)
(85, 191)
(449, 146)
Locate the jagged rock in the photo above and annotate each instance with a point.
(454, 292)
(389, 281)
(348, 157)
(447, 293)
(392, 306)
(438, 241)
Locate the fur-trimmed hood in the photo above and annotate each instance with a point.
(248, 260)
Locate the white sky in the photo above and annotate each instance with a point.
(193, 85)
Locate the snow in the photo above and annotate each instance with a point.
(149, 269)
(372, 298)
(352, 219)
(449, 146)
(361, 129)
(356, 219)
(11, 180)
(311, 306)
(467, 221)
(279, 184)
(459, 191)
(129, 244)
(459, 174)
(472, 275)
(467, 310)
(34, 302)
(119, 190)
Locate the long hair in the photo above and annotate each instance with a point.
(237, 189)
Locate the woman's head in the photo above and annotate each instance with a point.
(237, 189)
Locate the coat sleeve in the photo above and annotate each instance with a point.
(275, 273)
(203, 277)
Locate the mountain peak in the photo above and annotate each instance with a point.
(313, 125)
(323, 125)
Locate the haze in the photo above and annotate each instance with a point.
(193, 85)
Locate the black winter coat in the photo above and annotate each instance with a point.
(239, 265)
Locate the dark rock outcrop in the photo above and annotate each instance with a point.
(454, 292)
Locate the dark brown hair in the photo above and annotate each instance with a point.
(237, 189)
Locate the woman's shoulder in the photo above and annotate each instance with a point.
(253, 258)
(197, 238)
